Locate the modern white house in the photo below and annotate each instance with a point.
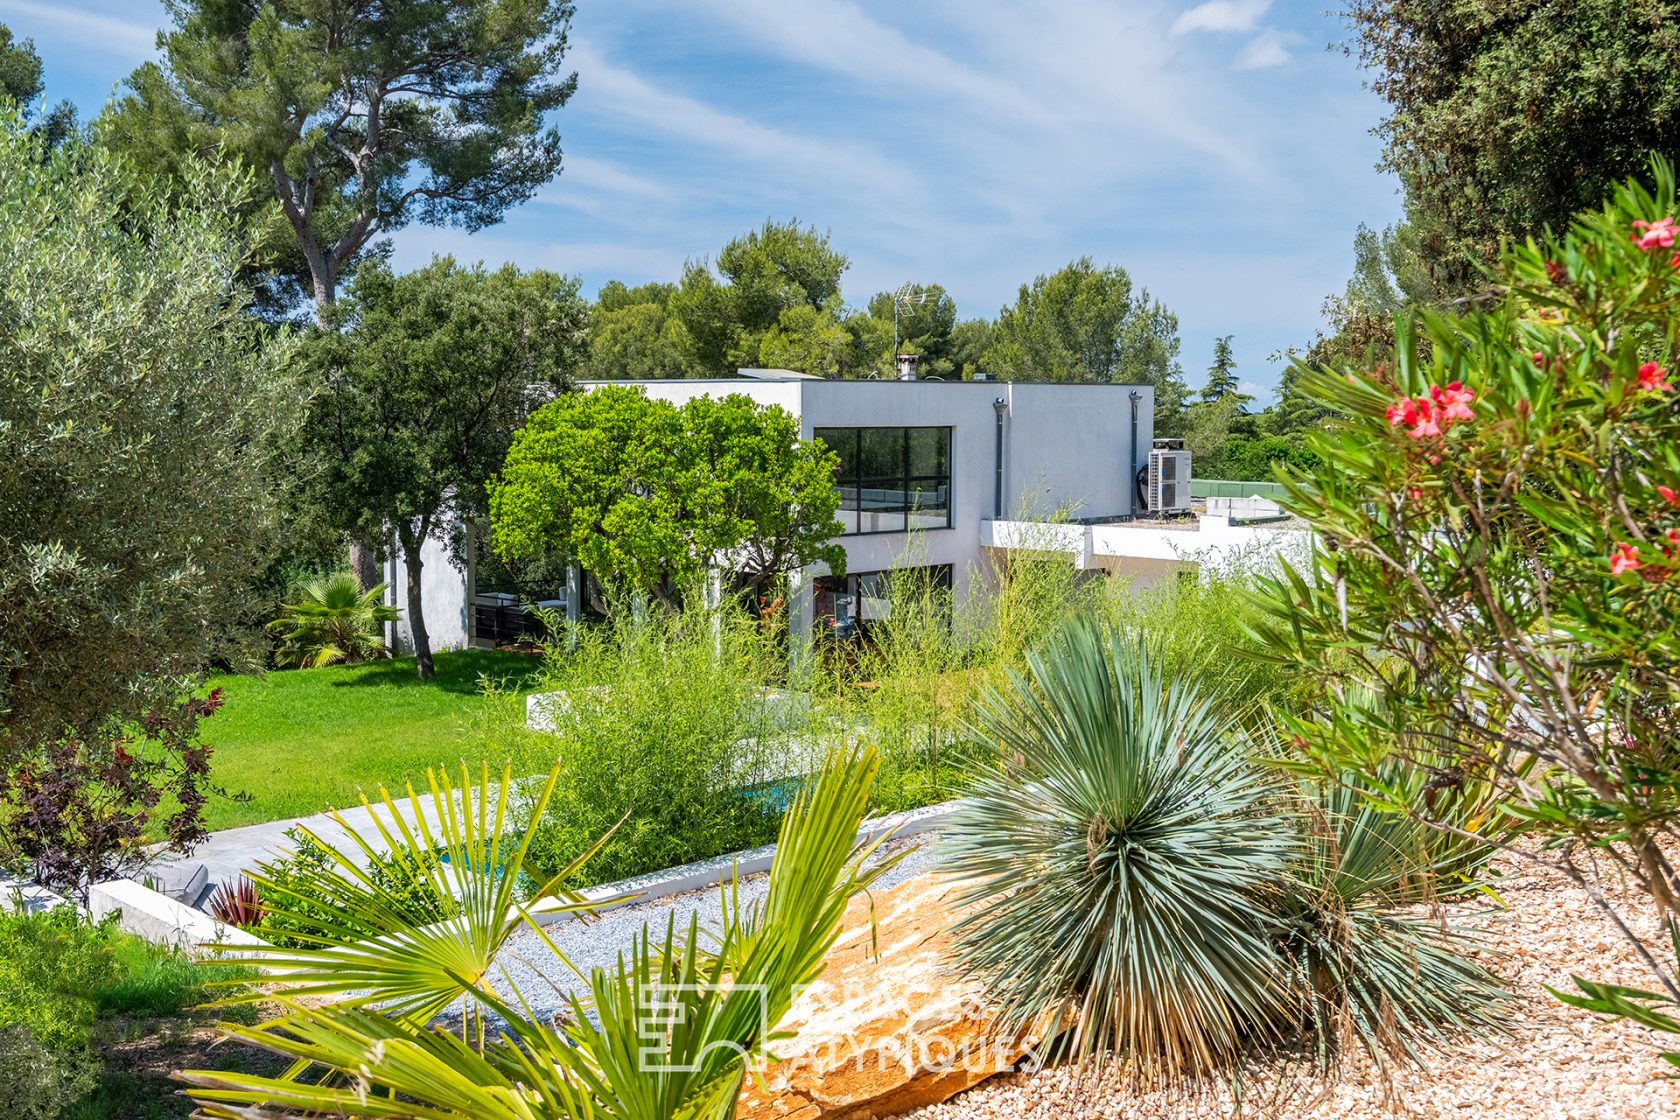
(943, 475)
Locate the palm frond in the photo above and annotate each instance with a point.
(674, 1028)
(370, 946)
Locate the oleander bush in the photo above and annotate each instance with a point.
(1151, 883)
(1499, 570)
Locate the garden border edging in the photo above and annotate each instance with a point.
(752, 861)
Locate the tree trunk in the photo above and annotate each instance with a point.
(411, 545)
(364, 565)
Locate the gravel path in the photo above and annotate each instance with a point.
(1559, 1064)
(529, 964)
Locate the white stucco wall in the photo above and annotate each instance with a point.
(445, 598)
(1067, 448)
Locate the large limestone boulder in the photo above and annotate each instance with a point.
(887, 1027)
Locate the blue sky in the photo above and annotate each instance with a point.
(1217, 150)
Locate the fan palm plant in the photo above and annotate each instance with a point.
(1117, 855)
(334, 621)
(713, 1007)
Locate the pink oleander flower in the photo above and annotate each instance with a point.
(1455, 401)
(1673, 538)
(1669, 495)
(1402, 411)
(1654, 235)
(1539, 360)
(1654, 377)
(1624, 558)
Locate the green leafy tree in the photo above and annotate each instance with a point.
(1084, 323)
(1500, 513)
(362, 118)
(1222, 374)
(633, 336)
(926, 315)
(426, 376)
(1507, 118)
(807, 340)
(21, 81)
(141, 410)
(970, 339)
(760, 277)
(648, 495)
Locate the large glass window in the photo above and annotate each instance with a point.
(892, 479)
(847, 606)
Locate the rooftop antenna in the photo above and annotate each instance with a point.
(906, 296)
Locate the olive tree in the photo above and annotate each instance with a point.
(141, 411)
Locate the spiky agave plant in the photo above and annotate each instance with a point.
(1370, 966)
(1116, 857)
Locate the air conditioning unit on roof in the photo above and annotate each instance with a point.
(1169, 482)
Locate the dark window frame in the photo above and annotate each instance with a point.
(851, 476)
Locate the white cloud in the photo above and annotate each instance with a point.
(1262, 394)
(1221, 15)
(616, 91)
(88, 30)
(1267, 49)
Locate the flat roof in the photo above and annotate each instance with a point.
(808, 379)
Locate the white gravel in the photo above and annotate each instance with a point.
(545, 981)
(1560, 1064)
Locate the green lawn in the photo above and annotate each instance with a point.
(302, 740)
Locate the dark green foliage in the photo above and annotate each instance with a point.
(1154, 884)
(633, 335)
(926, 317)
(20, 69)
(1222, 374)
(426, 378)
(1509, 117)
(777, 286)
(1084, 323)
(141, 410)
(1254, 459)
(359, 119)
(304, 904)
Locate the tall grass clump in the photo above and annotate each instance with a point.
(1141, 876)
(667, 721)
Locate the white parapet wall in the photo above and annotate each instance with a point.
(1207, 541)
(162, 920)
